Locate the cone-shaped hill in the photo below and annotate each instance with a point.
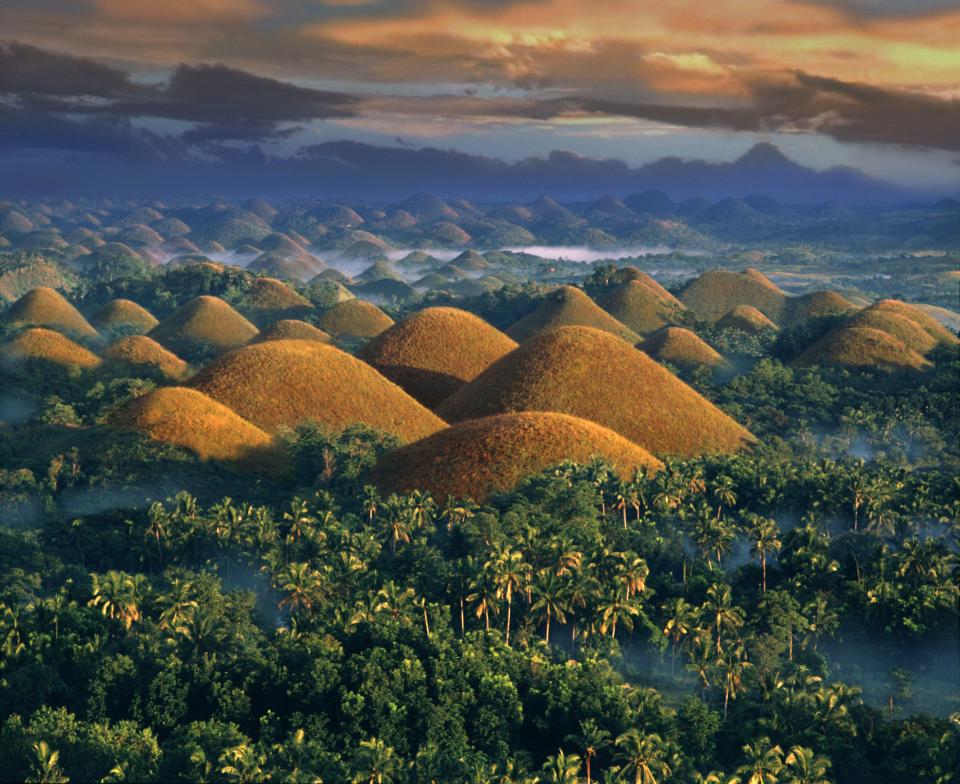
(747, 319)
(191, 420)
(45, 307)
(939, 333)
(123, 315)
(641, 307)
(436, 351)
(269, 299)
(624, 274)
(292, 329)
(48, 347)
(476, 458)
(282, 383)
(355, 318)
(861, 347)
(139, 353)
(589, 373)
(716, 292)
(568, 306)
(682, 348)
(816, 304)
(203, 324)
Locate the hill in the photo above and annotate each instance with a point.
(283, 383)
(862, 347)
(747, 319)
(682, 348)
(139, 353)
(269, 299)
(48, 347)
(816, 304)
(436, 351)
(123, 315)
(716, 292)
(291, 329)
(203, 324)
(940, 334)
(354, 318)
(483, 456)
(640, 306)
(568, 306)
(191, 420)
(949, 318)
(45, 307)
(589, 373)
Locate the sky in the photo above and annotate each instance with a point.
(872, 84)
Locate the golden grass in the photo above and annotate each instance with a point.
(138, 352)
(282, 383)
(861, 347)
(640, 306)
(716, 292)
(191, 420)
(45, 307)
(476, 458)
(589, 373)
(203, 323)
(47, 345)
(816, 304)
(948, 318)
(436, 351)
(908, 332)
(746, 318)
(292, 329)
(568, 306)
(633, 273)
(682, 348)
(124, 314)
(269, 299)
(940, 334)
(355, 318)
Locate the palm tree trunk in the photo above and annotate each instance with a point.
(726, 701)
(588, 768)
(763, 568)
(462, 622)
(426, 621)
(547, 638)
(509, 608)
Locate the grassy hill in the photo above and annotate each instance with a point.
(482, 456)
(123, 315)
(682, 348)
(568, 306)
(355, 318)
(589, 373)
(292, 329)
(268, 299)
(45, 307)
(746, 318)
(716, 292)
(640, 306)
(46, 346)
(863, 347)
(203, 324)
(138, 353)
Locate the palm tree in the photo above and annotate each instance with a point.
(46, 767)
(511, 574)
(644, 755)
(806, 767)
(157, 521)
(242, 764)
(764, 763)
(764, 539)
(547, 599)
(682, 618)
(616, 608)
(375, 763)
(592, 738)
(483, 597)
(732, 664)
(633, 572)
(577, 592)
(719, 608)
(118, 595)
(723, 493)
(398, 521)
(701, 661)
(299, 518)
(456, 512)
(562, 769)
(370, 502)
(303, 587)
(390, 600)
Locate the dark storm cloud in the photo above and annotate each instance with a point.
(27, 69)
(888, 8)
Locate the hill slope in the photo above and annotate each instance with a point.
(45, 307)
(716, 292)
(204, 323)
(640, 306)
(482, 456)
(591, 374)
(568, 306)
(747, 319)
(863, 347)
(355, 318)
(138, 352)
(292, 329)
(124, 315)
(436, 351)
(45, 345)
(682, 348)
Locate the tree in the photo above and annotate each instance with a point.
(302, 586)
(483, 597)
(719, 609)
(592, 738)
(46, 767)
(803, 766)
(644, 756)
(682, 618)
(764, 763)
(616, 608)
(511, 575)
(375, 763)
(562, 768)
(118, 595)
(764, 539)
(547, 599)
(732, 664)
(299, 518)
(243, 764)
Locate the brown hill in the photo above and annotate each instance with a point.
(45, 307)
(282, 383)
(940, 334)
(861, 347)
(124, 315)
(355, 318)
(204, 323)
(476, 458)
(716, 292)
(816, 304)
(633, 273)
(568, 306)
(46, 345)
(908, 332)
(436, 351)
(682, 348)
(948, 318)
(589, 373)
(189, 419)
(292, 329)
(138, 353)
(269, 299)
(746, 318)
(640, 306)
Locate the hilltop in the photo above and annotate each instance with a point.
(354, 318)
(45, 307)
(123, 315)
(47, 346)
(716, 292)
(138, 353)
(268, 299)
(568, 306)
(292, 329)
(203, 324)
(862, 347)
(282, 383)
(642, 307)
(589, 373)
(434, 352)
(476, 458)
(747, 319)
(682, 348)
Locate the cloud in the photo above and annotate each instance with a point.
(27, 69)
(889, 8)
